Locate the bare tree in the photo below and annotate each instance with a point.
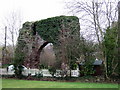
(13, 23)
(4, 49)
(95, 17)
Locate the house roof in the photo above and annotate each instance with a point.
(96, 62)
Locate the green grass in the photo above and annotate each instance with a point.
(12, 83)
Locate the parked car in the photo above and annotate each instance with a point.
(11, 68)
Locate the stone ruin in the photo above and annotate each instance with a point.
(34, 36)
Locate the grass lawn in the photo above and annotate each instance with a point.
(12, 83)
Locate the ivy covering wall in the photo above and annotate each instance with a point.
(56, 30)
(49, 29)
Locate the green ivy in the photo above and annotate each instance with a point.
(87, 68)
(49, 29)
(52, 71)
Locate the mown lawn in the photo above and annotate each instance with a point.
(12, 83)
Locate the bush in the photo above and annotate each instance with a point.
(87, 69)
(42, 66)
(38, 75)
(18, 71)
(52, 71)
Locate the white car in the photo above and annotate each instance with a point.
(11, 68)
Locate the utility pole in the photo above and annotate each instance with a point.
(4, 50)
(5, 36)
(119, 37)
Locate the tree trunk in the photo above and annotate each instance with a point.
(4, 49)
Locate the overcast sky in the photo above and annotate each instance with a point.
(30, 10)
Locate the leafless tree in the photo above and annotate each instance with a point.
(47, 57)
(4, 49)
(95, 17)
(10, 30)
(13, 22)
